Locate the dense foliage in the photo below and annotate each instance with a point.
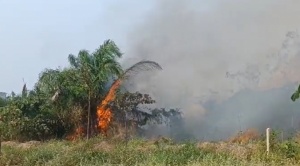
(65, 99)
(2, 102)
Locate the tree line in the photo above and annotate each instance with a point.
(64, 101)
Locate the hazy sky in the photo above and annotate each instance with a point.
(38, 34)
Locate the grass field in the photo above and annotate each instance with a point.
(99, 151)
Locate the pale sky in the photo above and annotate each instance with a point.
(36, 34)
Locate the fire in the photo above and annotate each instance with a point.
(104, 113)
(78, 133)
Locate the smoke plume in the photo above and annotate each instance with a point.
(228, 65)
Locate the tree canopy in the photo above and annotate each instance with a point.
(64, 101)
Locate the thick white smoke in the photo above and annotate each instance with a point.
(211, 51)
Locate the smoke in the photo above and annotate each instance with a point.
(228, 65)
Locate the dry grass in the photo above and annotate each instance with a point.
(24, 145)
(237, 150)
(246, 137)
(245, 149)
(104, 146)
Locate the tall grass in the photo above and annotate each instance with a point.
(99, 151)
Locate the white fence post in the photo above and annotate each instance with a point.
(268, 140)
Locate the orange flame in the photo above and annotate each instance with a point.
(78, 133)
(103, 113)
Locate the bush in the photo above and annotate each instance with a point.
(10, 123)
(290, 149)
(15, 126)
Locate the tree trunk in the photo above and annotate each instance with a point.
(89, 117)
(126, 130)
(93, 118)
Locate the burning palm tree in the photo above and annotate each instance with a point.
(104, 113)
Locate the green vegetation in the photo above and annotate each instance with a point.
(94, 71)
(99, 151)
(65, 100)
(2, 102)
(296, 94)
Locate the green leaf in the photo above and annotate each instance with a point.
(295, 96)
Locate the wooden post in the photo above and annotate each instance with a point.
(268, 140)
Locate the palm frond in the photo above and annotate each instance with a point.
(113, 66)
(24, 90)
(141, 66)
(84, 57)
(108, 48)
(72, 60)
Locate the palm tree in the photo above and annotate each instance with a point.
(103, 111)
(95, 70)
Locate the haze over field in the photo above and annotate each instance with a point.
(227, 65)
(223, 65)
